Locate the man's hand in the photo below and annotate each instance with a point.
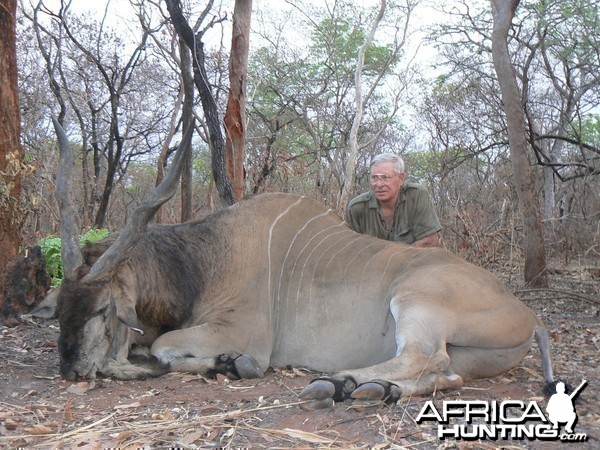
(428, 241)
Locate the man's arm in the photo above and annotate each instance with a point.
(351, 220)
(426, 222)
(428, 241)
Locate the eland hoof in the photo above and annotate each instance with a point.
(369, 391)
(248, 367)
(318, 390)
(314, 405)
(377, 390)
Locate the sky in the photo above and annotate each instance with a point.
(120, 12)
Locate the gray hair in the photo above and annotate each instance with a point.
(388, 157)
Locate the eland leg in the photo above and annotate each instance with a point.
(437, 348)
(205, 349)
(417, 360)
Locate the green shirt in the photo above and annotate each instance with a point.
(414, 216)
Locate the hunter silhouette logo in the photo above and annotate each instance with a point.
(560, 406)
(508, 419)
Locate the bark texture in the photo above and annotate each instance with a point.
(11, 153)
(235, 115)
(535, 256)
(209, 105)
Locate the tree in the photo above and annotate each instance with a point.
(94, 71)
(193, 40)
(302, 119)
(359, 102)
(188, 120)
(235, 115)
(564, 37)
(535, 257)
(304, 95)
(177, 56)
(11, 153)
(553, 47)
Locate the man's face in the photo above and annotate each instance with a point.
(385, 182)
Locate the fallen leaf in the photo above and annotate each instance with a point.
(192, 437)
(187, 378)
(51, 344)
(39, 429)
(68, 414)
(122, 435)
(533, 372)
(165, 415)
(10, 424)
(79, 388)
(228, 433)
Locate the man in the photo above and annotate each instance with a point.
(392, 209)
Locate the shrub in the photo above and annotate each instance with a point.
(51, 250)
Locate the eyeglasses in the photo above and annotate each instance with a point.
(383, 178)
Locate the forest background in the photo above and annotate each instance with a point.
(119, 79)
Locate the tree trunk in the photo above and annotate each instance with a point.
(535, 255)
(11, 153)
(358, 114)
(111, 172)
(188, 118)
(27, 283)
(235, 115)
(209, 105)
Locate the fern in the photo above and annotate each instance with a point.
(51, 250)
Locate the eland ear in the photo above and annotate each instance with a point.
(47, 309)
(127, 315)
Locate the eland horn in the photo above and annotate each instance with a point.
(69, 224)
(110, 260)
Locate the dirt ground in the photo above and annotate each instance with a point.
(39, 409)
